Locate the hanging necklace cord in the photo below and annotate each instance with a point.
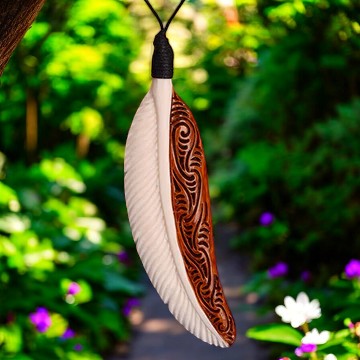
(163, 57)
(174, 14)
(162, 27)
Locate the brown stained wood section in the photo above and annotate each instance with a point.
(192, 212)
(16, 16)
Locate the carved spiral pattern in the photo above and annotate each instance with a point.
(191, 206)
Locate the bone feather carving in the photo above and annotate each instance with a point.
(154, 219)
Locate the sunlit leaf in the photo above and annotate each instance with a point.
(12, 223)
(87, 121)
(279, 333)
(12, 338)
(82, 355)
(8, 196)
(64, 174)
(57, 327)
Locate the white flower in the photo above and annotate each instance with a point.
(311, 308)
(314, 337)
(330, 357)
(298, 312)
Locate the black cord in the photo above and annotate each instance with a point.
(163, 56)
(173, 15)
(158, 17)
(155, 14)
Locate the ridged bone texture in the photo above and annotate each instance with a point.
(150, 192)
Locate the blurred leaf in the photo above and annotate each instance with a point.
(8, 196)
(338, 339)
(7, 248)
(87, 121)
(258, 158)
(82, 296)
(83, 355)
(114, 322)
(117, 282)
(279, 333)
(80, 61)
(12, 223)
(12, 338)
(62, 173)
(57, 327)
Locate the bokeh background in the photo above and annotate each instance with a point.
(274, 86)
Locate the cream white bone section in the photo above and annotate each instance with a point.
(149, 204)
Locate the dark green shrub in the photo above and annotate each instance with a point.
(291, 140)
(58, 253)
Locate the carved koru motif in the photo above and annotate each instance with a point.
(191, 206)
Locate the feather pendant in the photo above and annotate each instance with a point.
(168, 205)
(167, 198)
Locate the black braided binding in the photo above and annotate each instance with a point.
(163, 57)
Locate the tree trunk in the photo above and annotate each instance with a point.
(16, 16)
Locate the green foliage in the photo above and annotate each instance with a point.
(62, 222)
(290, 139)
(279, 333)
(310, 187)
(51, 238)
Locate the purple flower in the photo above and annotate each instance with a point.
(305, 276)
(305, 348)
(266, 219)
(68, 334)
(278, 270)
(352, 269)
(123, 257)
(129, 305)
(41, 319)
(78, 347)
(74, 288)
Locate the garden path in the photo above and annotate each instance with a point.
(159, 337)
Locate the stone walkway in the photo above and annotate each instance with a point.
(158, 336)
